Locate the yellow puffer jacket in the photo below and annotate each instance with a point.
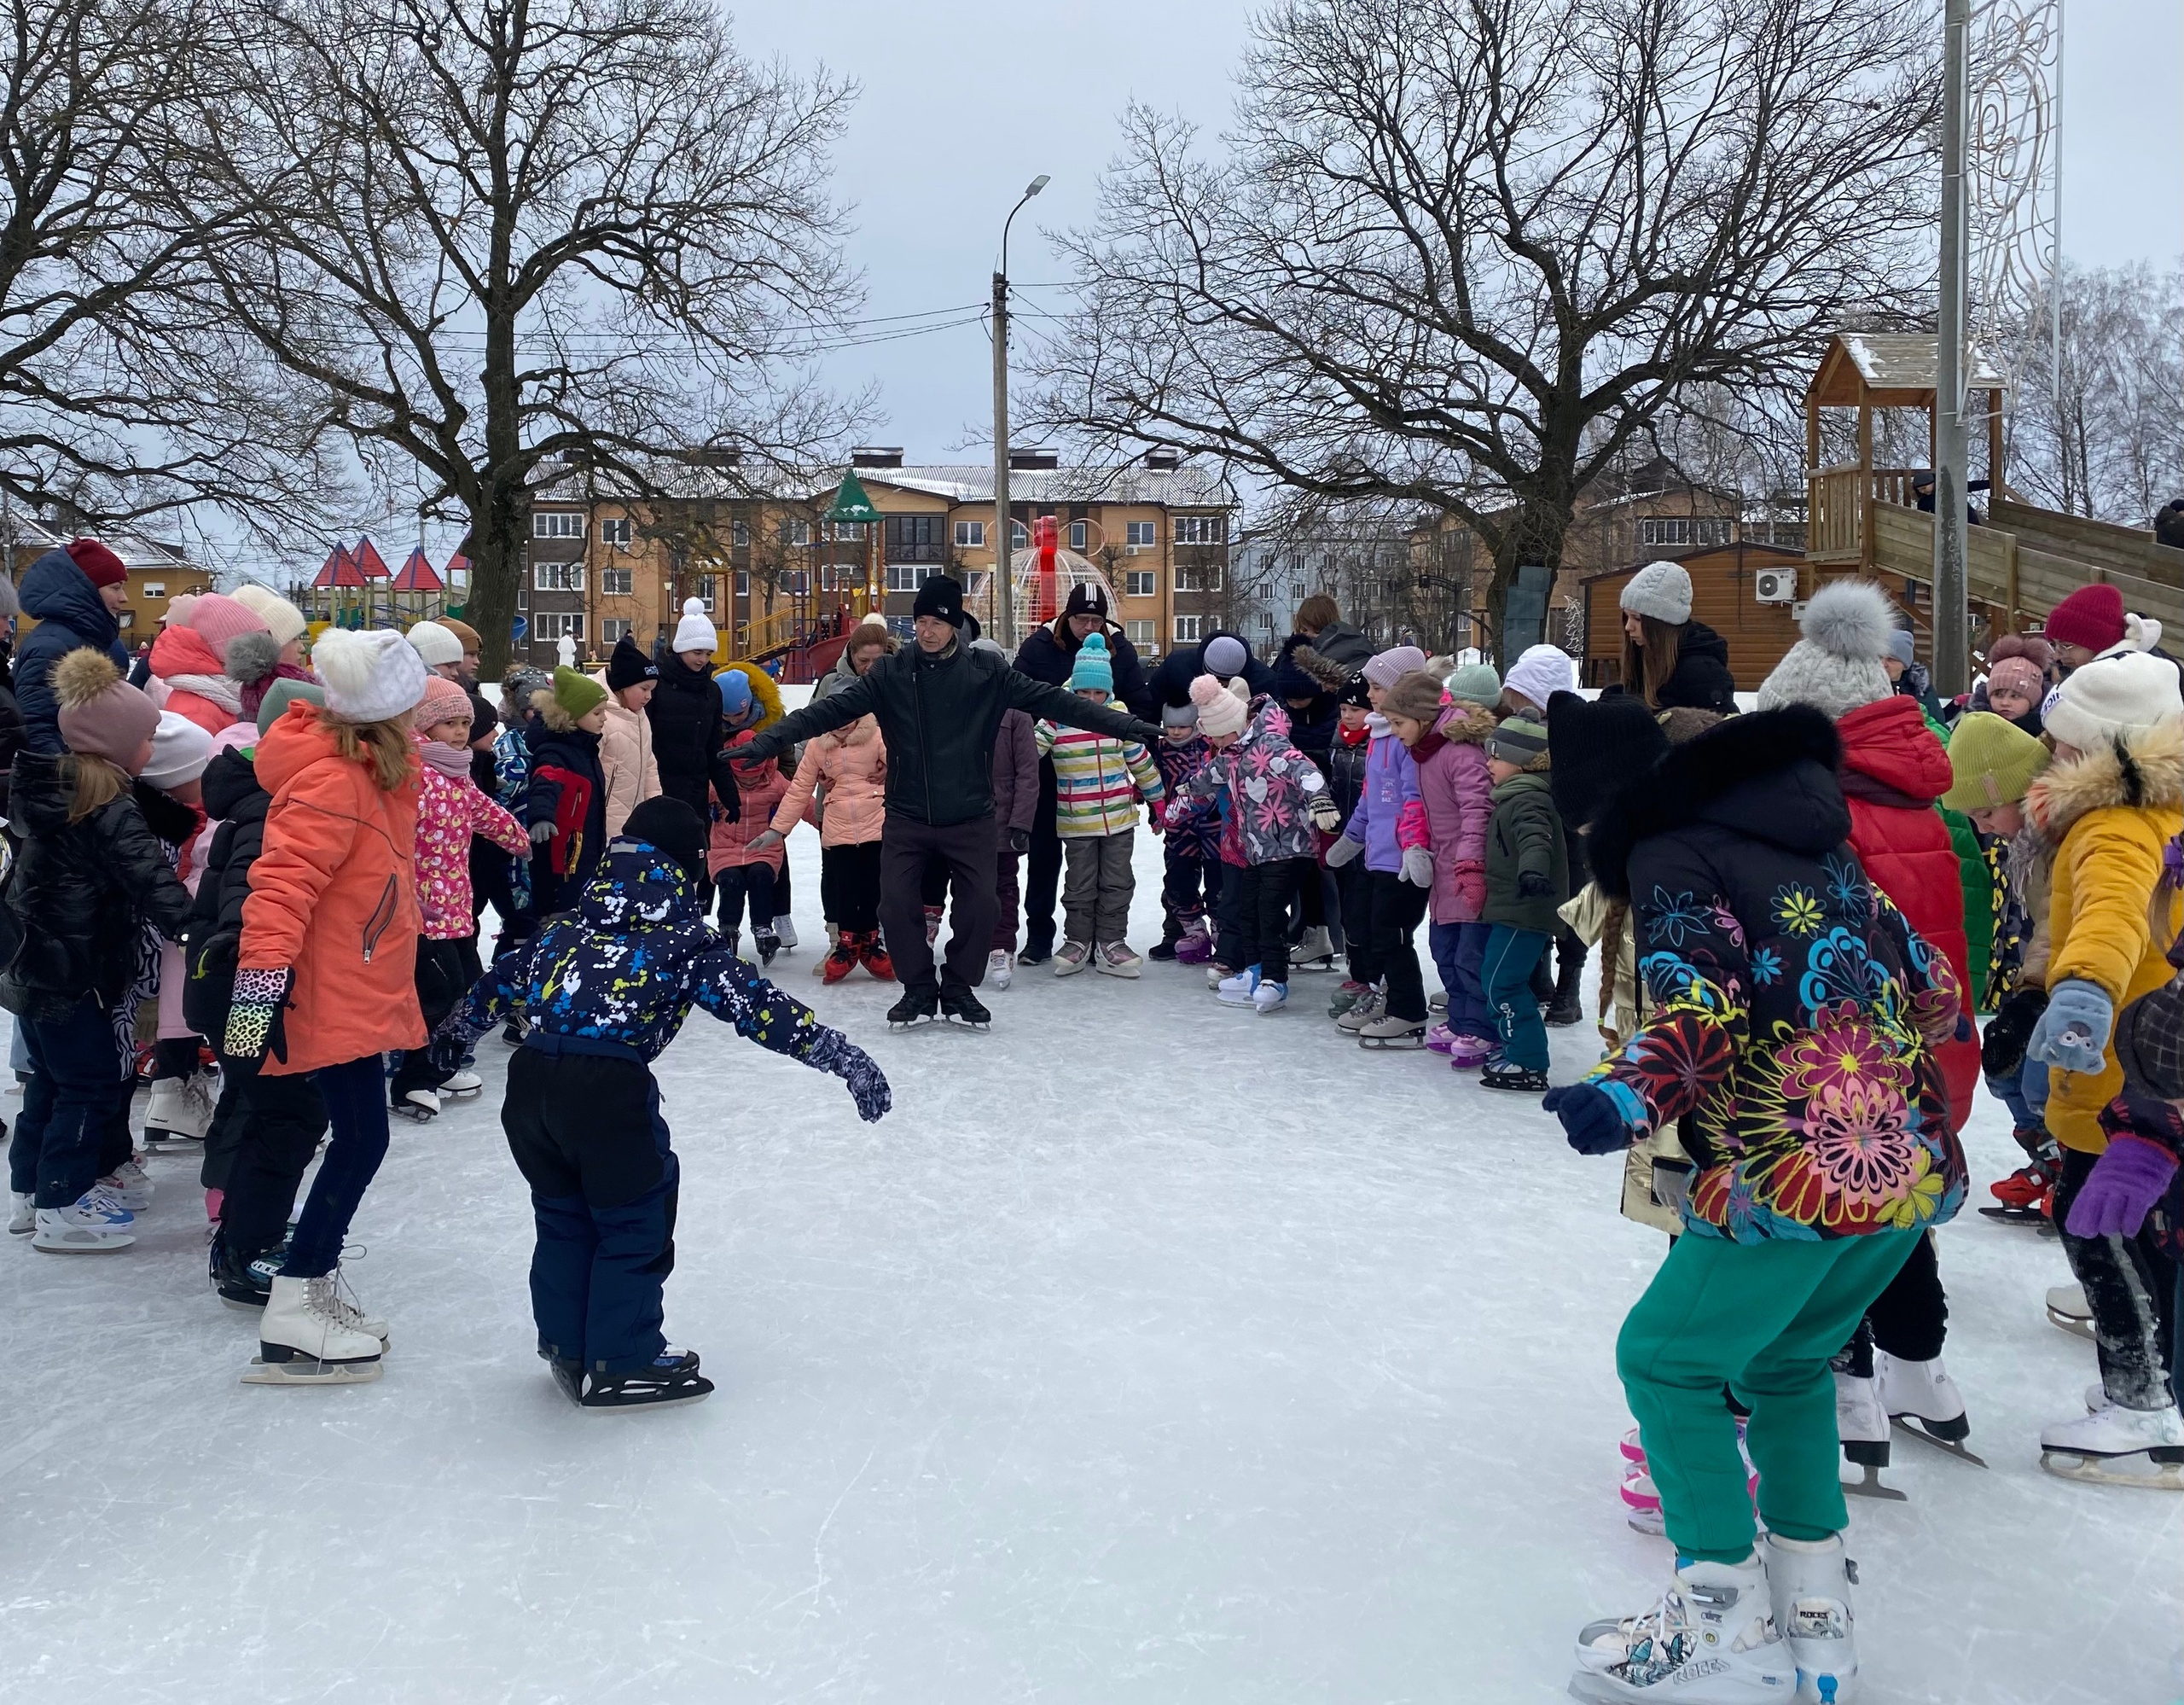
(2112, 813)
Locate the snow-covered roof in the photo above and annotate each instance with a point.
(135, 550)
(1909, 361)
(1184, 488)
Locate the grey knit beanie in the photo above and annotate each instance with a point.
(1836, 667)
(1661, 590)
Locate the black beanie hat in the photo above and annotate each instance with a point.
(1598, 746)
(673, 828)
(940, 596)
(1355, 694)
(626, 666)
(1086, 597)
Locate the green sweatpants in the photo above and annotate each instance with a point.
(1765, 1318)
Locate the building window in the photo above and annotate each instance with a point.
(1142, 533)
(849, 532)
(1186, 630)
(739, 536)
(970, 535)
(904, 576)
(557, 524)
(1198, 579)
(617, 583)
(1201, 529)
(558, 577)
(561, 624)
(1684, 530)
(707, 586)
(1140, 583)
(614, 631)
(799, 532)
(615, 535)
(1019, 538)
(743, 583)
(795, 583)
(523, 595)
(1266, 621)
(125, 620)
(1080, 534)
(155, 589)
(1138, 632)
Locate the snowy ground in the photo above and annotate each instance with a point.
(1147, 1352)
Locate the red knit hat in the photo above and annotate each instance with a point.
(100, 565)
(2091, 616)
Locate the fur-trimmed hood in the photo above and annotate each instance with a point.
(1329, 674)
(1770, 775)
(765, 693)
(2143, 770)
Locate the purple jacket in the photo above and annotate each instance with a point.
(1015, 774)
(1201, 836)
(1271, 786)
(1452, 780)
(1389, 815)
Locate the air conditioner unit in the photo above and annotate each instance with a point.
(1136, 550)
(1775, 585)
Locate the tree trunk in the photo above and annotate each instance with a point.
(495, 569)
(1535, 535)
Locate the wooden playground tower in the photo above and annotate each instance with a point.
(2023, 562)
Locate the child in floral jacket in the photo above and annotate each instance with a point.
(1794, 1022)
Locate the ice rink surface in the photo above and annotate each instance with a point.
(1147, 1352)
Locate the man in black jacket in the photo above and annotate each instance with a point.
(940, 704)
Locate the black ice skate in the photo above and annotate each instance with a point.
(916, 1007)
(1521, 1078)
(672, 1378)
(568, 1375)
(960, 1006)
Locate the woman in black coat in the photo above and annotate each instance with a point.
(1668, 658)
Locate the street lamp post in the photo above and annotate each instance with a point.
(1952, 662)
(1004, 593)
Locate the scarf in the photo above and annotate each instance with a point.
(451, 761)
(218, 688)
(253, 692)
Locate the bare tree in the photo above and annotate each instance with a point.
(504, 238)
(1459, 254)
(96, 416)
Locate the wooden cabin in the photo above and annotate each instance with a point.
(1725, 589)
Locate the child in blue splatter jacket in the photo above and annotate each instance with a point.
(606, 988)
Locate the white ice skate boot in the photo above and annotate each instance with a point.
(303, 1339)
(1811, 1583)
(128, 1184)
(92, 1225)
(1315, 951)
(1269, 999)
(1709, 1639)
(22, 1213)
(1921, 1398)
(1237, 991)
(179, 1111)
(785, 931)
(1862, 1424)
(462, 1085)
(2068, 1308)
(2111, 1447)
(1001, 968)
(351, 1311)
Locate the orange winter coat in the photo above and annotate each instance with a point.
(333, 896)
(851, 762)
(198, 686)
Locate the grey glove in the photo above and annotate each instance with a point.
(1344, 849)
(1418, 867)
(542, 832)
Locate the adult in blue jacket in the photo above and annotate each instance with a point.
(77, 595)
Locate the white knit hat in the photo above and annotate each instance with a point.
(1220, 710)
(1836, 667)
(2118, 693)
(370, 677)
(435, 644)
(1661, 590)
(695, 632)
(180, 751)
(282, 619)
(1543, 670)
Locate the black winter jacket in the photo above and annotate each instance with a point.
(1049, 654)
(1171, 681)
(1701, 679)
(576, 751)
(71, 615)
(11, 727)
(237, 800)
(1341, 643)
(938, 716)
(1346, 772)
(689, 738)
(80, 893)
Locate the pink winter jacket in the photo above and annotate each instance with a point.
(1457, 793)
(450, 811)
(851, 763)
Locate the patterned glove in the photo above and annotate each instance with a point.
(832, 1051)
(2131, 1176)
(1590, 1118)
(254, 1026)
(2073, 1033)
(1325, 818)
(1344, 849)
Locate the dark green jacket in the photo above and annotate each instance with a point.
(938, 716)
(1525, 833)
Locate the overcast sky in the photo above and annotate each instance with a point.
(965, 100)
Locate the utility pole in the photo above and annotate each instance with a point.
(1952, 666)
(1004, 579)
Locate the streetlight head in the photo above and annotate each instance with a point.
(1037, 184)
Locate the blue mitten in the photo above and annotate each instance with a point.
(1590, 1118)
(2073, 1031)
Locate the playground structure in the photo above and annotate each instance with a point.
(355, 588)
(2022, 559)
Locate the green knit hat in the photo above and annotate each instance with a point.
(280, 695)
(1518, 740)
(1994, 761)
(1475, 684)
(577, 692)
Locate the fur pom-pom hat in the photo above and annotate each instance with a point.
(250, 657)
(1836, 667)
(1220, 710)
(102, 715)
(695, 632)
(2113, 697)
(368, 676)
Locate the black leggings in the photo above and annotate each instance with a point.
(849, 885)
(1262, 916)
(739, 882)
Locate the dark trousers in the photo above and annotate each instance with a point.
(1910, 1318)
(2130, 1285)
(1353, 889)
(117, 1134)
(174, 1056)
(1005, 895)
(1184, 880)
(782, 895)
(67, 1104)
(967, 848)
(756, 883)
(267, 1129)
(1397, 908)
(1226, 903)
(1459, 953)
(1512, 956)
(1263, 916)
(355, 1094)
(587, 1134)
(1043, 867)
(1312, 903)
(849, 885)
(443, 978)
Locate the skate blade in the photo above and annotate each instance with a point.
(1393, 1045)
(971, 1025)
(242, 1308)
(2071, 1323)
(1869, 1485)
(2115, 1471)
(1909, 1424)
(302, 1372)
(2013, 1216)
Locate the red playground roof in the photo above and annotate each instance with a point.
(340, 570)
(417, 575)
(369, 563)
